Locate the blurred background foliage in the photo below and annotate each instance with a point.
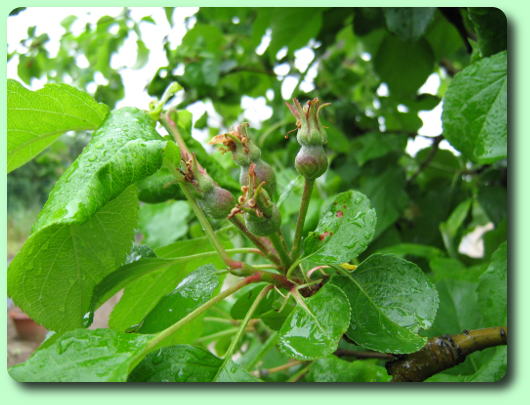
(369, 63)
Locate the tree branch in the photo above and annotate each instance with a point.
(255, 240)
(368, 354)
(443, 352)
(432, 153)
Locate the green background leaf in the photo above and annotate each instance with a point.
(474, 110)
(333, 369)
(409, 23)
(392, 64)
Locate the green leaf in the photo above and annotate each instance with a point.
(474, 110)
(125, 275)
(456, 286)
(142, 54)
(391, 300)
(246, 298)
(83, 355)
(163, 223)
(404, 66)
(343, 231)
(86, 227)
(337, 140)
(375, 145)
(491, 28)
(28, 68)
(387, 195)
(197, 288)
(180, 363)
(159, 187)
(287, 30)
(184, 363)
(444, 38)
(493, 200)
(450, 228)
(492, 370)
(442, 166)
(35, 119)
(409, 23)
(233, 372)
(316, 325)
(412, 249)
(143, 293)
(367, 19)
(334, 369)
(492, 289)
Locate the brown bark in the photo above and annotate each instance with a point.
(443, 352)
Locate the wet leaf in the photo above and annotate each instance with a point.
(391, 300)
(86, 228)
(314, 329)
(343, 231)
(144, 292)
(197, 288)
(83, 355)
(184, 363)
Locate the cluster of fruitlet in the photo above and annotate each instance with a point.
(257, 178)
(311, 161)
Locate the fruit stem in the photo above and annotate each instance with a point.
(235, 340)
(304, 205)
(207, 227)
(276, 240)
(159, 337)
(254, 239)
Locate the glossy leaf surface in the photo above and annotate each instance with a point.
(180, 363)
(184, 363)
(83, 355)
(143, 293)
(391, 300)
(343, 231)
(86, 227)
(314, 329)
(197, 288)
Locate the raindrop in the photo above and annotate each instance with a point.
(157, 357)
(134, 328)
(63, 345)
(88, 318)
